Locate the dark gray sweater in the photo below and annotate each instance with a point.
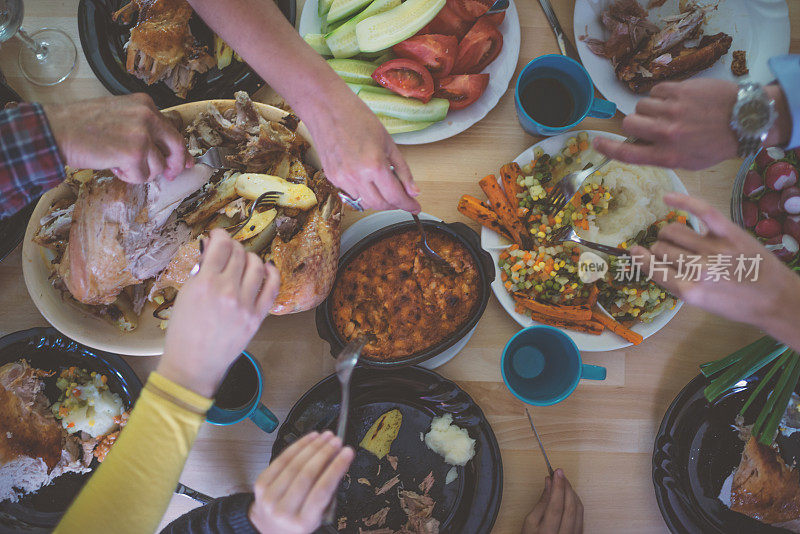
(226, 515)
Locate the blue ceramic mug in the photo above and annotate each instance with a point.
(239, 396)
(542, 366)
(575, 79)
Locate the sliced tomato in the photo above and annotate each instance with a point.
(462, 89)
(446, 22)
(405, 77)
(496, 18)
(469, 9)
(478, 48)
(437, 53)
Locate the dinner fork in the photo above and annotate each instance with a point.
(423, 243)
(568, 233)
(216, 157)
(569, 185)
(268, 199)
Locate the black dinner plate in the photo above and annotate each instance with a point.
(696, 449)
(103, 42)
(46, 348)
(468, 505)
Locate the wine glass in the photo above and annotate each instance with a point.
(49, 55)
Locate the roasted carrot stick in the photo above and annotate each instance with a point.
(507, 215)
(565, 313)
(612, 324)
(593, 293)
(588, 327)
(509, 174)
(482, 214)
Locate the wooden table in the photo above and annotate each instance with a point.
(602, 435)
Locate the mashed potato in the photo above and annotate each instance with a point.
(637, 201)
(450, 441)
(86, 403)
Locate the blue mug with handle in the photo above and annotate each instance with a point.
(542, 366)
(574, 79)
(239, 396)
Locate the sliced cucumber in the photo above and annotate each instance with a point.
(394, 125)
(328, 27)
(323, 7)
(409, 109)
(389, 28)
(342, 41)
(353, 70)
(317, 42)
(341, 9)
(357, 88)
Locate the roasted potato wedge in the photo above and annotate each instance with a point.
(297, 172)
(380, 436)
(262, 240)
(222, 52)
(213, 200)
(252, 186)
(257, 224)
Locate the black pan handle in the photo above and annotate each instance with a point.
(325, 327)
(469, 235)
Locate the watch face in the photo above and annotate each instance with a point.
(753, 115)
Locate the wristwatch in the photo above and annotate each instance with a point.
(752, 117)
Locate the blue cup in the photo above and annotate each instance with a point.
(239, 396)
(575, 78)
(542, 366)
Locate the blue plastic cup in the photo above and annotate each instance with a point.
(575, 78)
(247, 388)
(542, 366)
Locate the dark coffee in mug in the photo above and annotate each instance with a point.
(239, 386)
(548, 101)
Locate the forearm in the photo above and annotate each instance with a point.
(781, 321)
(136, 481)
(787, 96)
(31, 162)
(259, 32)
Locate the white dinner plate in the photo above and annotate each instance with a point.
(759, 27)
(493, 243)
(501, 71)
(372, 223)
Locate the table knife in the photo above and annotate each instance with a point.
(564, 44)
(546, 459)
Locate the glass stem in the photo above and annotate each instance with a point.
(38, 47)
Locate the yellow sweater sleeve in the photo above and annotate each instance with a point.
(134, 484)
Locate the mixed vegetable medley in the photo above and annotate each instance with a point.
(543, 277)
(410, 61)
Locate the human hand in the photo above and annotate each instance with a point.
(216, 314)
(358, 155)
(559, 510)
(293, 492)
(687, 125)
(126, 134)
(764, 297)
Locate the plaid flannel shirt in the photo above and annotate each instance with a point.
(30, 162)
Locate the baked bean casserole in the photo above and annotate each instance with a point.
(392, 295)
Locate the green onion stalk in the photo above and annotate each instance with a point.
(783, 366)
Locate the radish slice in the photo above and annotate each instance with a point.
(770, 204)
(753, 184)
(785, 247)
(790, 200)
(768, 228)
(768, 156)
(780, 175)
(791, 226)
(749, 213)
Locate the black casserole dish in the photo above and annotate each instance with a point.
(462, 236)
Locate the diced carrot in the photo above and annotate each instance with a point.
(504, 255)
(682, 219)
(526, 256)
(516, 267)
(508, 285)
(513, 247)
(503, 276)
(583, 145)
(573, 149)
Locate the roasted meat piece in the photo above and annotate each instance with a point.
(161, 45)
(764, 487)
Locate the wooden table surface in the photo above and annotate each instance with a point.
(602, 435)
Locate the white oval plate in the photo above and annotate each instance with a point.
(494, 244)
(760, 27)
(501, 71)
(67, 318)
(372, 223)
